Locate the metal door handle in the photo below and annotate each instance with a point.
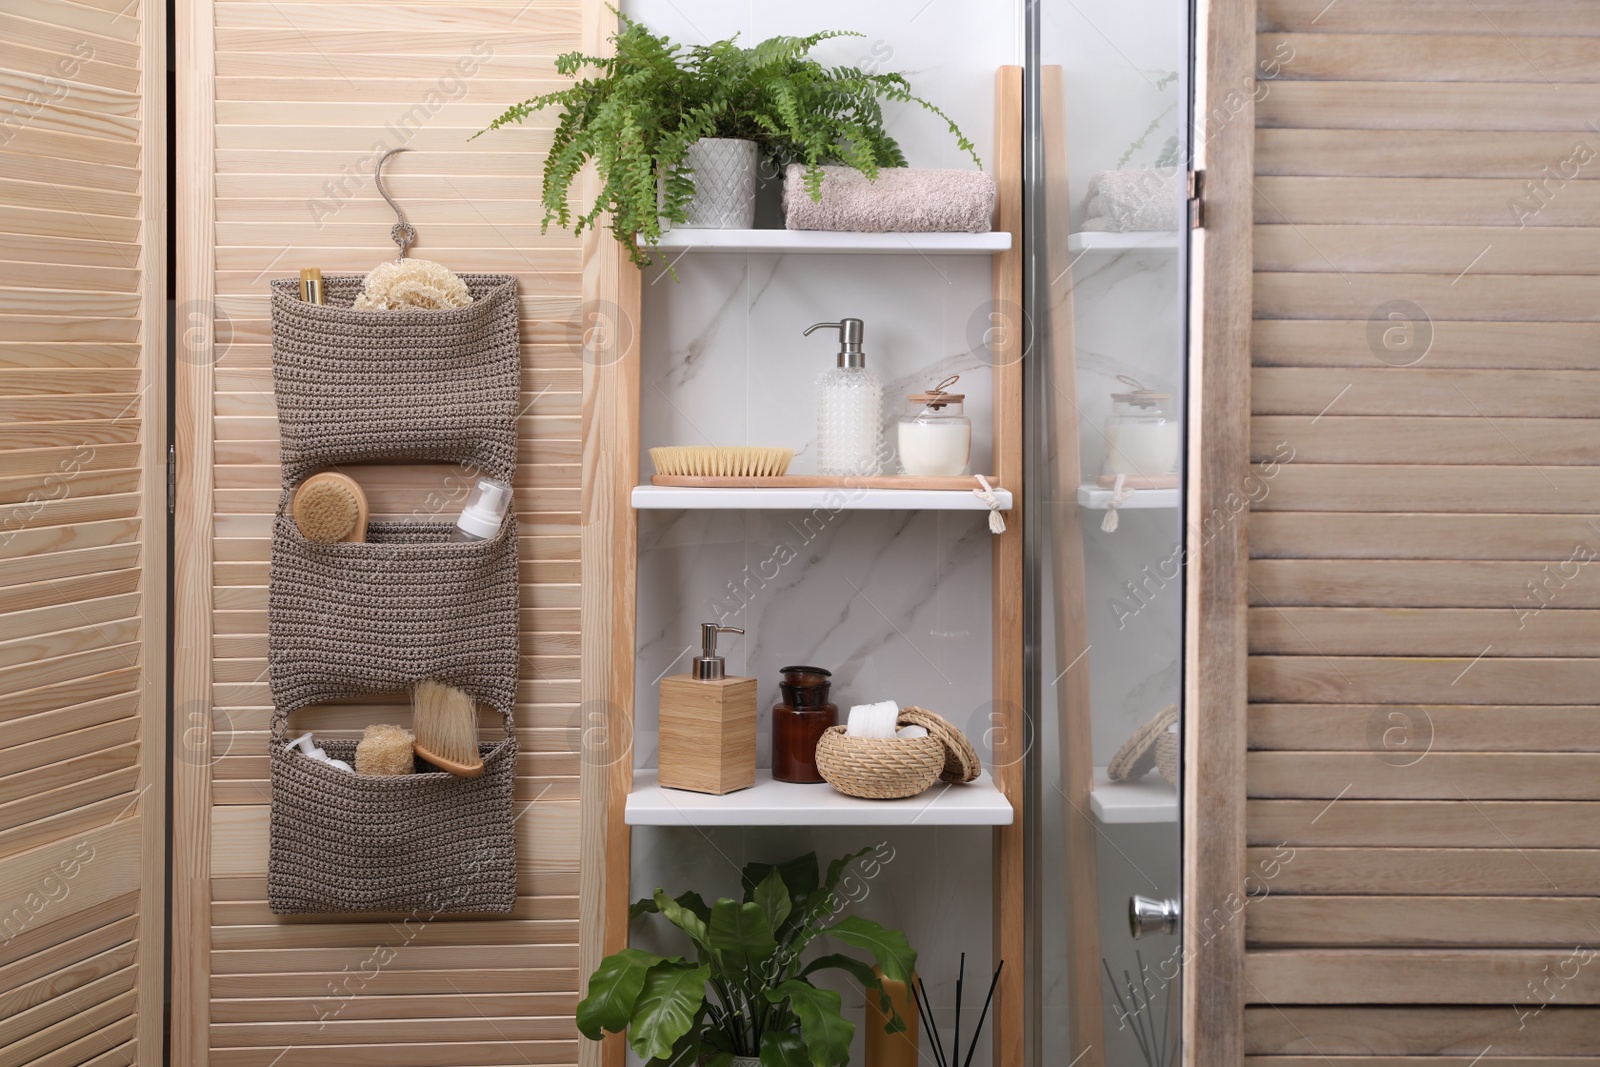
(1146, 914)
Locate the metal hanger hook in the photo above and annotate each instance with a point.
(402, 232)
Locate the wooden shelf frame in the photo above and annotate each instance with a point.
(609, 538)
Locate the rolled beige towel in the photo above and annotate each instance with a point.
(901, 200)
(1122, 200)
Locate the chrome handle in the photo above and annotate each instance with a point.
(1146, 914)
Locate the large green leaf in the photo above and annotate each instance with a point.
(688, 1051)
(684, 919)
(798, 874)
(782, 1048)
(890, 949)
(667, 1006)
(739, 935)
(613, 989)
(827, 1034)
(862, 974)
(773, 897)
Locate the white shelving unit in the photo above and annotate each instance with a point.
(1148, 800)
(820, 241)
(647, 497)
(773, 803)
(1098, 499)
(1090, 241)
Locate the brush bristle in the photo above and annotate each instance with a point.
(326, 511)
(446, 723)
(721, 461)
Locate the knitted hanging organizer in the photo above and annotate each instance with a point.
(415, 386)
(405, 605)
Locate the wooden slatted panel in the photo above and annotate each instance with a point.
(304, 95)
(1423, 812)
(82, 531)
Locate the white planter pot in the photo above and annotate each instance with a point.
(746, 1061)
(724, 173)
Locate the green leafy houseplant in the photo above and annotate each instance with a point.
(639, 110)
(746, 993)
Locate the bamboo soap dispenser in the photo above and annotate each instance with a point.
(708, 724)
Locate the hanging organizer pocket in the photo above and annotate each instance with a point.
(427, 844)
(406, 605)
(373, 386)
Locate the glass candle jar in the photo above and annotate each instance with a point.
(798, 722)
(1141, 435)
(934, 436)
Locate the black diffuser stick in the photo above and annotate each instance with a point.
(955, 1042)
(927, 1005)
(983, 1016)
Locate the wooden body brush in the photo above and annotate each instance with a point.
(445, 721)
(328, 507)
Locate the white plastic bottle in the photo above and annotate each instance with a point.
(485, 511)
(849, 408)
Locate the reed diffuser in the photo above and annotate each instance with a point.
(1157, 1044)
(953, 1058)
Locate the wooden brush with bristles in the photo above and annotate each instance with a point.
(445, 721)
(721, 461)
(330, 507)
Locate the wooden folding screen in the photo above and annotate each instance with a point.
(82, 531)
(283, 108)
(1412, 851)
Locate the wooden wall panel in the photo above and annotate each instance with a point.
(82, 531)
(1422, 804)
(283, 138)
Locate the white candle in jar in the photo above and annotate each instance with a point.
(1140, 446)
(935, 447)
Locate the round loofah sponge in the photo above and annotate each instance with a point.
(412, 283)
(386, 749)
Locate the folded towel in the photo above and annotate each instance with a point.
(901, 200)
(1122, 200)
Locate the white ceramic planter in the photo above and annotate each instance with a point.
(724, 172)
(746, 1061)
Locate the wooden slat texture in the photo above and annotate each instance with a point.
(304, 91)
(1422, 803)
(82, 531)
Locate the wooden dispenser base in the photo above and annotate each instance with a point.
(708, 734)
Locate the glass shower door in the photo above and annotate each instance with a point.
(1108, 231)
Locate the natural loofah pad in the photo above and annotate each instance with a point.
(412, 283)
(328, 508)
(386, 749)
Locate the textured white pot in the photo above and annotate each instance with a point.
(746, 1061)
(724, 172)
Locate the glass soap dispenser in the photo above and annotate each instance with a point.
(849, 408)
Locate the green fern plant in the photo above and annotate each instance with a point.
(635, 113)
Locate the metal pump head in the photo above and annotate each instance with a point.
(708, 666)
(850, 333)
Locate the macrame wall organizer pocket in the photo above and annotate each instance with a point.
(415, 386)
(350, 619)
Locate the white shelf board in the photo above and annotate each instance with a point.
(772, 803)
(1148, 800)
(825, 241)
(1093, 496)
(834, 499)
(1115, 243)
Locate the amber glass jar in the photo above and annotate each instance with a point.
(798, 722)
